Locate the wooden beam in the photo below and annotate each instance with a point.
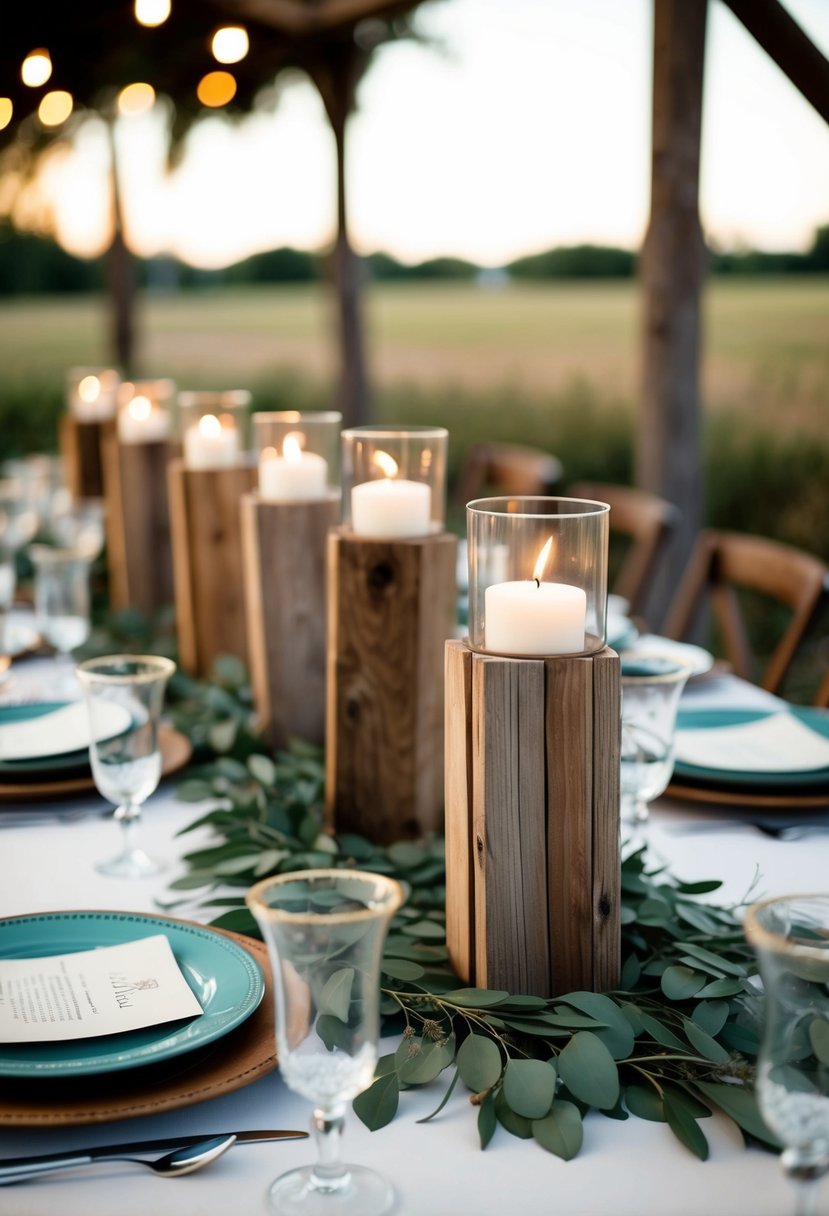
(785, 42)
(668, 455)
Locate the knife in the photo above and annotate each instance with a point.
(14, 1168)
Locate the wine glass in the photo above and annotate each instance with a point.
(80, 524)
(61, 596)
(651, 688)
(325, 931)
(790, 935)
(123, 748)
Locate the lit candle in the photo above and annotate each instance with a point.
(143, 421)
(210, 445)
(535, 618)
(391, 506)
(92, 399)
(293, 476)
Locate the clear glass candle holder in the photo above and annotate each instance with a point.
(145, 411)
(537, 575)
(214, 428)
(298, 455)
(394, 480)
(91, 393)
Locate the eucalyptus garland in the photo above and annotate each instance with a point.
(678, 1040)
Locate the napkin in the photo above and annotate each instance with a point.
(778, 743)
(58, 732)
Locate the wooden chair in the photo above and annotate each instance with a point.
(506, 468)
(723, 563)
(645, 521)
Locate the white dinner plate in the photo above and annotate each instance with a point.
(700, 660)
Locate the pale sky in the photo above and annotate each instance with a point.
(530, 128)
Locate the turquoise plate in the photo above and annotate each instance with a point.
(704, 719)
(227, 982)
(65, 763)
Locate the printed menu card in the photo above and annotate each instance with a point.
(93, 992)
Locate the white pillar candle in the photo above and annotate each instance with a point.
(209, 445)
(142, 421)
(391, 508)
(294, 476)
(535, 618)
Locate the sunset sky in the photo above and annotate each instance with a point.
(528, 128)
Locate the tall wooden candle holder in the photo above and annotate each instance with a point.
(81, 454)
(139, 548)
(208, 576)
(533, 867)
(284, 561)
(391, 607)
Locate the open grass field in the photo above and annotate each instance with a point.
(766, 342)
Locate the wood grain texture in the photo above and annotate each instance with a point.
(80, 449)
(460, 844)
(207, 562)
(139, 548)
(284, 555)
(569, 764)
(512, 944)
(607, 873)
(391, 608)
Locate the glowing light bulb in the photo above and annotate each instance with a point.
(230, 44)
(6, 111)
(55, 107)
(136, 98)
(152, 12)
(216, 89)
(37, 68)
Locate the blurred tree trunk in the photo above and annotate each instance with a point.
(337, 80)
(669, 449)
(120, 272)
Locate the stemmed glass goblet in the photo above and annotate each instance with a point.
(651, 688)
(325, 931)
(126, 766)
(790, 936)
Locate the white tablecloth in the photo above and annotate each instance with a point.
(632, 1168)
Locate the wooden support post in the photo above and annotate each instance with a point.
(391, 607)
(80, 449)
(207, 562)
(533, 869)
(139, 551)
(284, 554)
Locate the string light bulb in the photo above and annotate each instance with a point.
(6, 111)
(55, 107)
(36, 68)
(216, 89)
(152, 12)
(230, 44)
(136, 98)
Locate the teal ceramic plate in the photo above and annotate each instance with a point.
(227, 982)
(67, 764)
(705, 719)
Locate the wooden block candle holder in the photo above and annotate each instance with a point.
(391, 607)
(533, 867)
(208, 575)
(284, 547)
(81, 454)
(139, 548)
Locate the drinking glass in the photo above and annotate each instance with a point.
(61, 596)
(325, 931)
(651, 688)
(790, 935)
(80, 524)
(127, 765)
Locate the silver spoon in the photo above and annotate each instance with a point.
(182, 1161)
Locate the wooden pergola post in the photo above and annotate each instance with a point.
(668, 455)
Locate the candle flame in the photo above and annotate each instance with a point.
(386, 464)
(292, 449)
(541, 561)
(140, 408)
(89, 389)
(210, 426)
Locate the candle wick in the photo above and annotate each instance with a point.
(538, 583)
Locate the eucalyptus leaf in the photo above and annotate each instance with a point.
(741, 1104)
(561, 1131)
(479, 1062)
(685, 1127)
(819, 1038)
(377, 1105)
(529, 1087)
(262, 768)
(402, 969)
(589, 1071)
(644, 1102)
(486, 1120)
(704, 1043)
(443, 1100)
(474, 998)
(335, 997)
(425, 930)
(711, 1015)
(515, 1124)
(680, 982)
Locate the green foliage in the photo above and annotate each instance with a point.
(676, 1041)
(576, 262)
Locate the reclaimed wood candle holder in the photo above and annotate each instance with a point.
(284, 555)
(533, 869)
(139, 548)
(81, 454)
(391, 607)
(208, 577)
